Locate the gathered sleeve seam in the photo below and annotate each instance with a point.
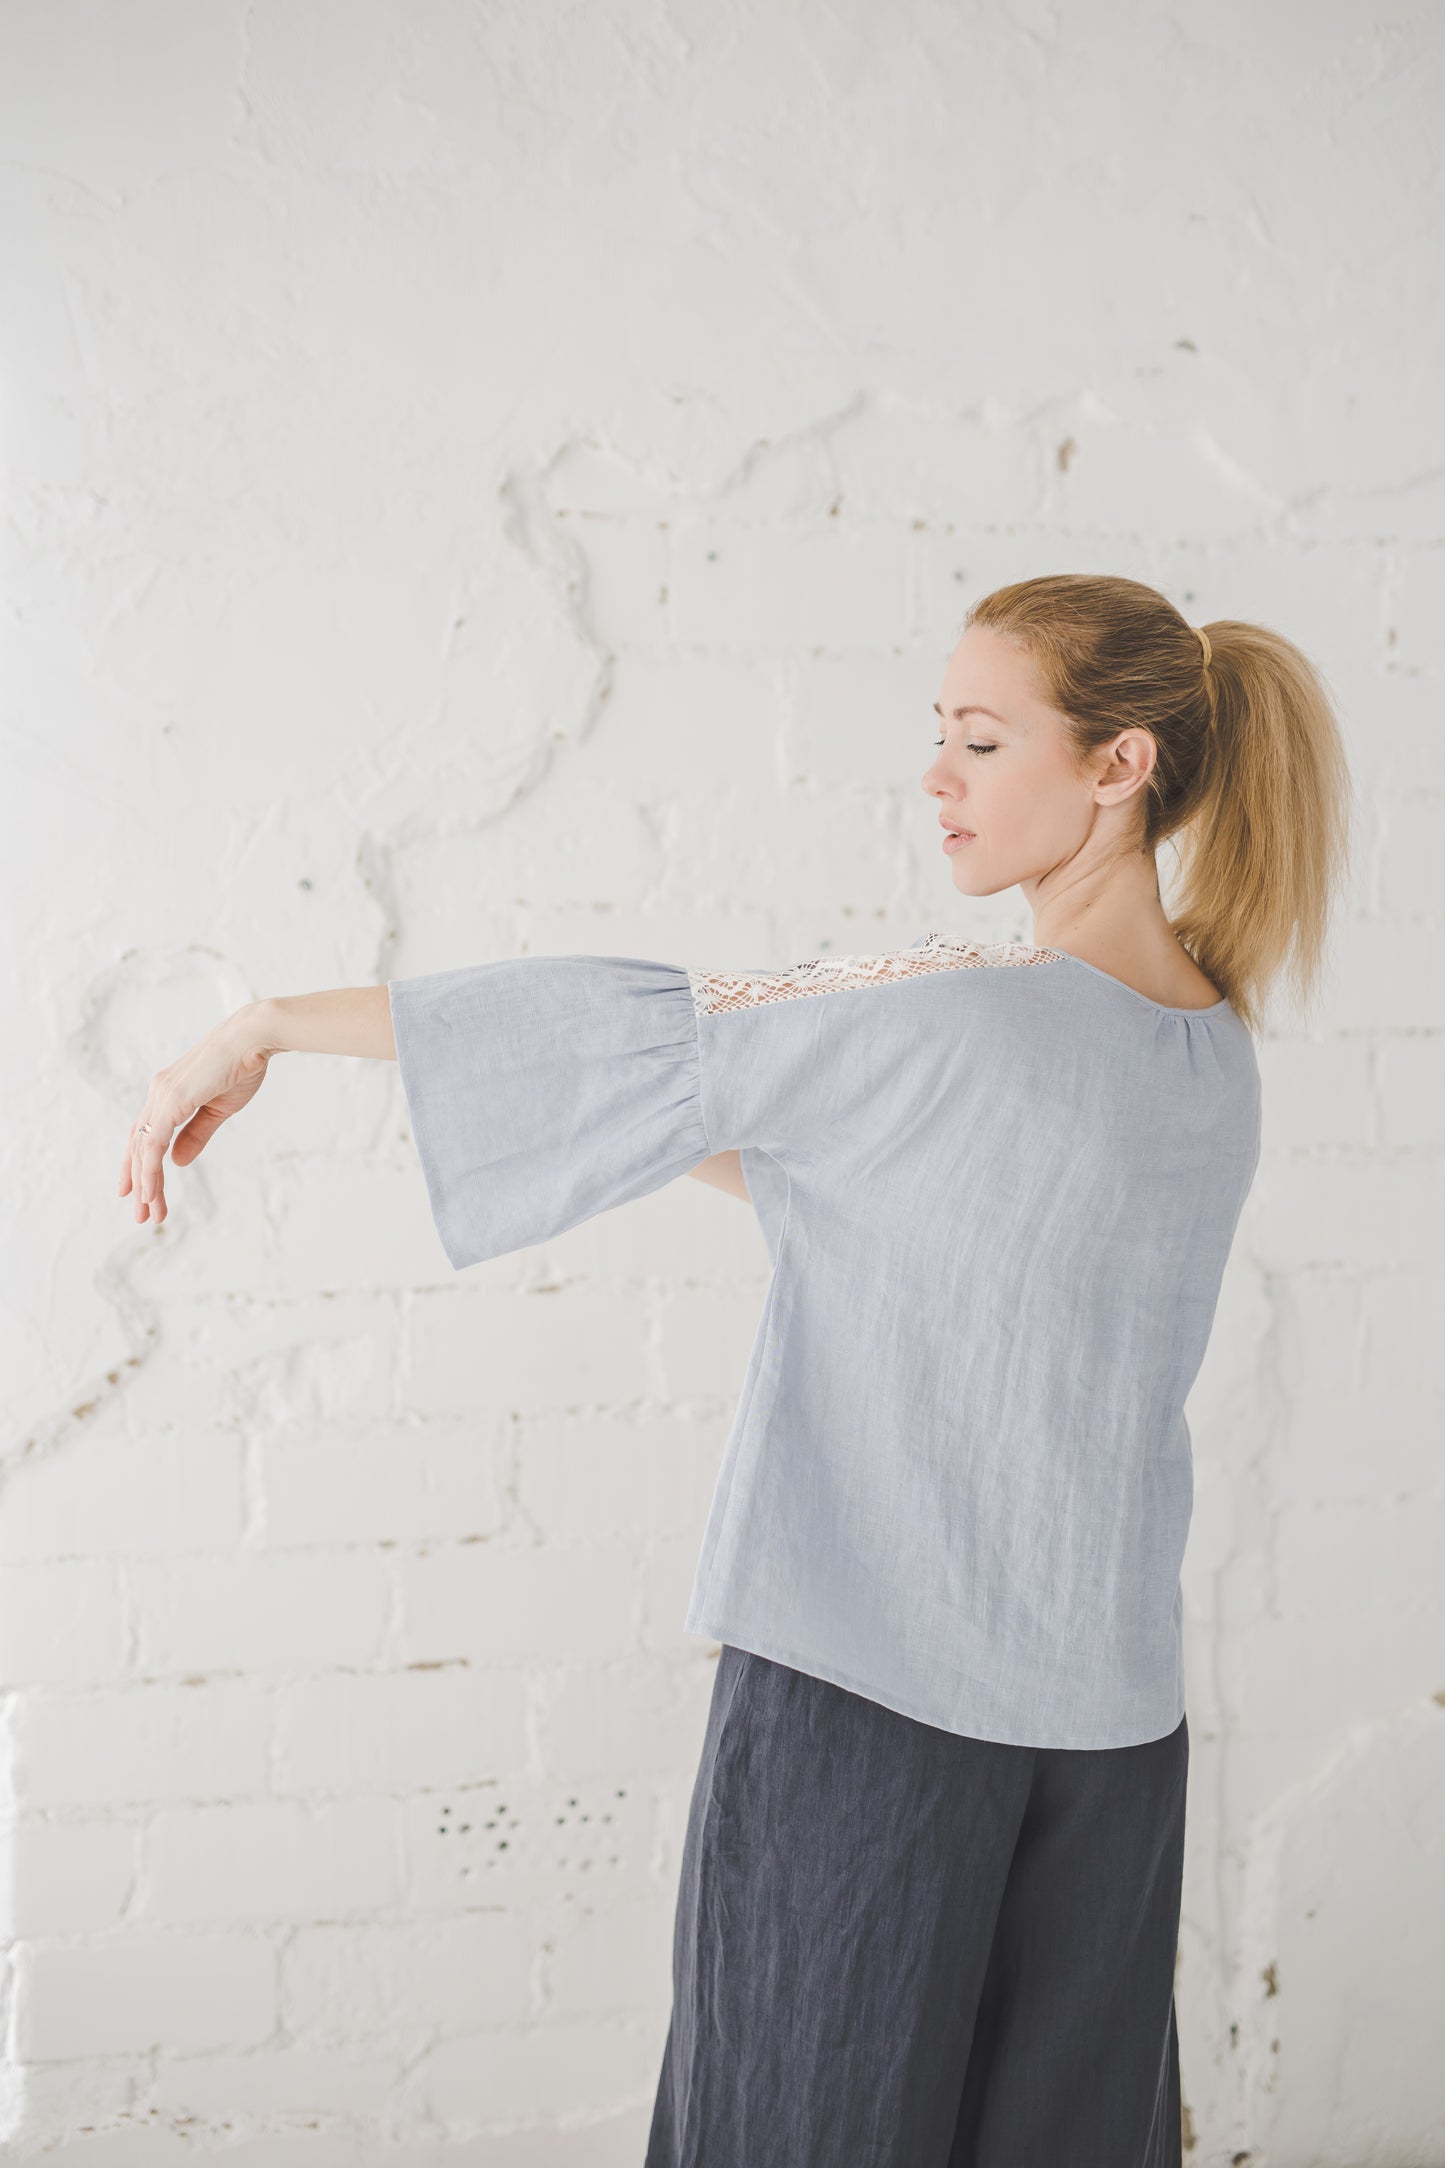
(698, 1066)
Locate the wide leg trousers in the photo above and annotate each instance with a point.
(896, 1947)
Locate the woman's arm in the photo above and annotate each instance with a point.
(357, 1020)
(342, 1020)
(724, 1171)
(187, 1102)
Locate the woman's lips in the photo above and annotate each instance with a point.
(953, 842)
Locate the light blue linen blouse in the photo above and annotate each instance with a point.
(998, 1189)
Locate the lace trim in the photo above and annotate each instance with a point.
(716, 990)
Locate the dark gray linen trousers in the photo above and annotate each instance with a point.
(896, 1947)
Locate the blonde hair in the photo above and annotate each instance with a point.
(1250, 770)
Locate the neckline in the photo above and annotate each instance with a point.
(1210, 1008)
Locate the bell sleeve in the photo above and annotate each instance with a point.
(543, 1090)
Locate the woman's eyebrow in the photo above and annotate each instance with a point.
(973, 709)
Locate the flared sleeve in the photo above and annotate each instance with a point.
(543, 1090)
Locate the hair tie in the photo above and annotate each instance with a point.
(1204, 643)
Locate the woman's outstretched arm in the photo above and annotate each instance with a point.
(357, 1020)
(188, 1101)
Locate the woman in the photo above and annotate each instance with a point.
(930, 1885)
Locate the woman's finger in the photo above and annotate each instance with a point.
(152, 1135)
(195, 1133)
(131, 1179)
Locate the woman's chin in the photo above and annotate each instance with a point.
(969, 877)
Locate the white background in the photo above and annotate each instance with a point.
(484, 479)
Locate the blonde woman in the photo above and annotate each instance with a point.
(930, 1884)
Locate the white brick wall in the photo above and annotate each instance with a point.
(481, 482)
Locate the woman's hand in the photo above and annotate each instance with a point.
(194, 1095)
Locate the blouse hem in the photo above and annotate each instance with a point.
(901, 1704)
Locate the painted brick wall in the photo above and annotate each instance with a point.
(499, 479)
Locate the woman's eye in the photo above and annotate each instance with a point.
(982, 748)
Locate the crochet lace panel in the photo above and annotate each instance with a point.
(715, 990)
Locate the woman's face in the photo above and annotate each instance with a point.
(1005, 773)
